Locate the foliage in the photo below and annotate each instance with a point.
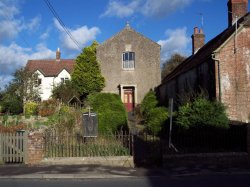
(170, 64)
(202, 112)
(13, 128)
(64, 119)
(31, 108)
(154, 116)
(149, 102)
(111, 112)
(156, 119)
(47, 108)
(86, 75)
(11, 103)
(64, 92)
(20, 90)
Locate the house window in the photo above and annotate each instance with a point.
(128, 60)
(63, 80)
(38, 82)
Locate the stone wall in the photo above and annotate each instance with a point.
(145, 76)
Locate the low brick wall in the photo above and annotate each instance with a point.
(35, 148)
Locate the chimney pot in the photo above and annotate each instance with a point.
(196, 30)
(58, 54)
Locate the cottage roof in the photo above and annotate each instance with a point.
(50, 68)
(207, 50)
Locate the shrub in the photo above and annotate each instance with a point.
(12, 105)
(149, 102)
(31, 108)
(111, 112)
(64, 119)
(47, 108)
(154, 117)
(202, 112)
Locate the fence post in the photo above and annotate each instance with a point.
(248, 138)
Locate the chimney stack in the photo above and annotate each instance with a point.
(58, 54)
(198, 39)
(236, 9)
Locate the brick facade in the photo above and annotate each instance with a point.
(35, 148)
(221, 67)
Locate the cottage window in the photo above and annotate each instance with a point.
(128, 60)
(38, 82)
(63, 80)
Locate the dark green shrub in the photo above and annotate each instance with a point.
(156, 120)
(111, 112)
(149, 102)
(154, 117)
(202, 112)
(12, 105)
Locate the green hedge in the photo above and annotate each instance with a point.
(202, 112)
(112, 115)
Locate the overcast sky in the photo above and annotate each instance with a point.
(29, 31)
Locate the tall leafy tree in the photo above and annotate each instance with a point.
(170, 64)
(86, 75)
(21, 89)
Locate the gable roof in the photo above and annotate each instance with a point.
(206, 51)
(50, 68)
(125, 30)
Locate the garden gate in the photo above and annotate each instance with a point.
(13, 147)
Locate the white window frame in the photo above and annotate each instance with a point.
(128, 64)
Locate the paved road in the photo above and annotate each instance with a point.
(192, 181)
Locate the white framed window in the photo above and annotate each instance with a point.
(64, 79)
(38, 82)
(128, 60)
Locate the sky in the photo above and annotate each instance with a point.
(28, 29)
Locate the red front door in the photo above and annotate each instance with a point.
(129, 99)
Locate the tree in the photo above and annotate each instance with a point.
(21, 89)
(64, 91)
(170, 64)
(86, 75)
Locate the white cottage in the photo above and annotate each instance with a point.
(51, 73)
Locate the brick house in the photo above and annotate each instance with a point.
(222, 66)
(130, 64)
(51, 73)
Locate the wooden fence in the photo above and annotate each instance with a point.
(13, 147)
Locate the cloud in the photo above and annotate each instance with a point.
(161, 8)
(177, 41)
(11, 26)
(82, 35)
(15, 56)
(121, 10)
(34, 23)
(149, 8)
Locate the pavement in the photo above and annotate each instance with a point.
(8, 171)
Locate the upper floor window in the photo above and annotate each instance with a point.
(63, 80)
(128, 60)
(38, 82)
